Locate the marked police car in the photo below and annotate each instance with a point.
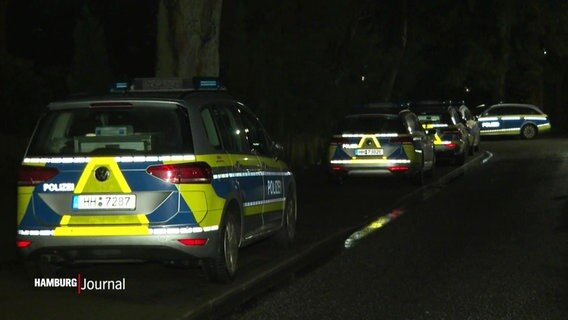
(443, 123)
(523, 120)
(382, 141)
(171, 170)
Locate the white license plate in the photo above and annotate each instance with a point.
(104, 201)
(369, 152)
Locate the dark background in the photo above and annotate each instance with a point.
(298, 64)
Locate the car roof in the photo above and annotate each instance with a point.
(156, 98)
(523, 105)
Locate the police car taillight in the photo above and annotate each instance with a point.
(193, 242)
(195, 172)
(401, 140)
(23, 243)
(398, 168)
(31, 176)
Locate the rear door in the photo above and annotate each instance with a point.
(274, 193)
(245, 167)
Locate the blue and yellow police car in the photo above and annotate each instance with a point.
(524, 120)
(379, 141)
(442, 121)
(162, 169)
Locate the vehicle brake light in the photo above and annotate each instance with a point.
(23, 243)
(31, 176)
(338, 168)
(401, 140)
(194, 172)
(451, 145)
(398, 168)
(193, 242)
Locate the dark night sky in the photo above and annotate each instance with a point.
(43, 31)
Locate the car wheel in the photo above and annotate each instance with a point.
(460, 158)
(528, 131)
(223, 267)
(287, 234)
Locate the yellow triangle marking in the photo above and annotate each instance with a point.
(437, 139)
(369, 136)
(116, 183)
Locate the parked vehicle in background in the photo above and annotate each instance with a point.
(442, 121)
(165, 171)
(472, 126)
(524, 120)
(381, 141)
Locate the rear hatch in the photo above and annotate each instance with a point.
(364, 138)
(97, 168)
(440, 128)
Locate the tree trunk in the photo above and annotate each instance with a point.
(188, 38)
(3, 25)
(403, 42)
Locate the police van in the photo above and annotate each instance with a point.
(524, 120)
(160, 169)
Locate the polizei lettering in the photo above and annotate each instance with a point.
(58, 187)
(274, 187)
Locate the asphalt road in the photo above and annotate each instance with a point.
(489, 245)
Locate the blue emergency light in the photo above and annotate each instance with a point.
(121, 85)
(206, 83)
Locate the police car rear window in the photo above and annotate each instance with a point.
(431, 117)
(112, 131)
(372, 124)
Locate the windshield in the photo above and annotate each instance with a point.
(372, 124)
(112, 131)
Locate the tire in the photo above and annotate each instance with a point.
(460, 158)
(529, 131)
(287, 234)
(223, 267)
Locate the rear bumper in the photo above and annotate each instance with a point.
(444, 152)
(121, 248)
(377, 169)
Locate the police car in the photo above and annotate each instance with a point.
(524, 120)
(164, 169)
(380, 141)
(443, 123)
